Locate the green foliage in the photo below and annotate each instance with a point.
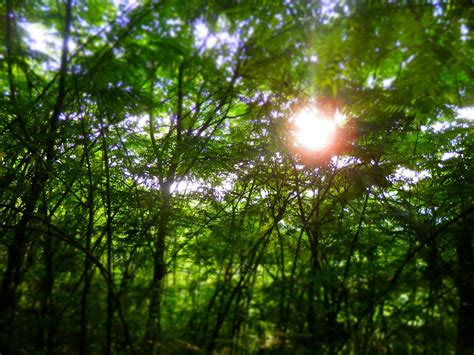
(152, 199)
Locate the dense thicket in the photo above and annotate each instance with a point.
(152, 199)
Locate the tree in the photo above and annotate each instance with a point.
(153, 198)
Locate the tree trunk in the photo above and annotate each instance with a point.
(46, 340)
(465, 286)
(313, 235)
(87, 262)
(17, 248)
(12, 275)
(153, 326)
(108, 229)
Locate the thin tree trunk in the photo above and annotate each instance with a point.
(47, 286)
(282, 314)
(108, 227)
(17, 248)
(153, 327)
(311, 315)
(313, 235)
(12, 275)
(87, 262)
(465, 286)
(253, 261)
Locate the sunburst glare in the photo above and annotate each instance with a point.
(312, 130)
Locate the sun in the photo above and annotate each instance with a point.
(312, 130)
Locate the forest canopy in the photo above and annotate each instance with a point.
(236, 177)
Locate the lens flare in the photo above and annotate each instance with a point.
(313, 131)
